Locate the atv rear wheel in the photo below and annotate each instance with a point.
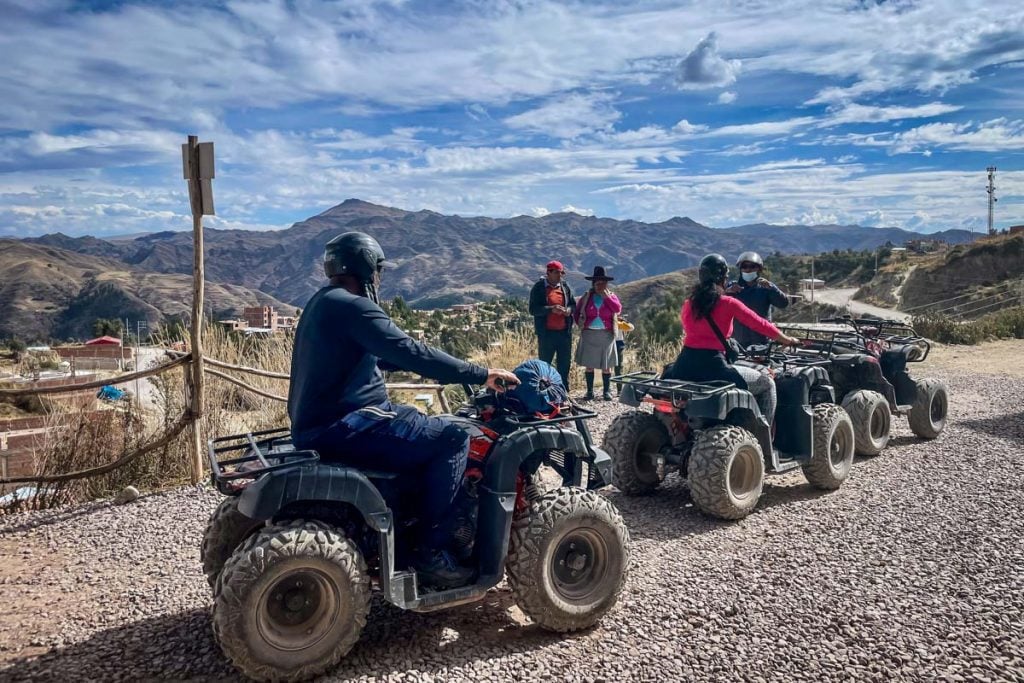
(568, 558)
(726, 472)
(872, 420)
(634, 441)
(833, 447)
(291, 601)
(225, 531)
(927, 416)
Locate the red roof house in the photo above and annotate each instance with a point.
(104, 341)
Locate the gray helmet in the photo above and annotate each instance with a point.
(750, 257)
(713, 268)
(356, 254)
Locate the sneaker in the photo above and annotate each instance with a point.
(439, 569)
(589, 396)
(607, 395)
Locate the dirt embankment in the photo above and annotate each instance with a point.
(984, 268)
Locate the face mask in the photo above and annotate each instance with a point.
(749, 277)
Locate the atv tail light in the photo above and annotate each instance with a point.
(660, 405)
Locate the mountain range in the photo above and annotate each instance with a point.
(439, 259)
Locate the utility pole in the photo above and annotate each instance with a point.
(991, 199)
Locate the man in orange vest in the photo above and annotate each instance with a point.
(551, 305)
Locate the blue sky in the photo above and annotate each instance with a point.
(730, 112)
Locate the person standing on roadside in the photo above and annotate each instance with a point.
(597, 314)
(552, 306)
(757, 292)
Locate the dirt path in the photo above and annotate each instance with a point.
(844, 298)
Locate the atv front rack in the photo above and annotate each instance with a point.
(766, 355)
(264, 451)
(650, 383)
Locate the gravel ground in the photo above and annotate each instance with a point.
(913, 570)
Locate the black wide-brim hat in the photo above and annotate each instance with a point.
(599, 274)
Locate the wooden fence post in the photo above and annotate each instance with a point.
(197, 163)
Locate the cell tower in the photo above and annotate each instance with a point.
(991, 199)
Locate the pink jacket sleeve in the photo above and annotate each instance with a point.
(613, 303)
(752, 320)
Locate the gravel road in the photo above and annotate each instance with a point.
(913, 570)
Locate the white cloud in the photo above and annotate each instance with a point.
(569, 208)
(569, 116)
(539, 212)
(784, 127)
(684, 127)
(859, 113)
(727, 97)
(705, 68)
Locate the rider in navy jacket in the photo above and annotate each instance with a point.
(757, 293)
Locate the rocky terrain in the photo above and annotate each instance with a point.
(914, 570)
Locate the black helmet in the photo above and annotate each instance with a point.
(713, 268)
(750, 257)
(356, 254)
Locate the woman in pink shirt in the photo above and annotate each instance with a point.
(703, 356)
(595, 316)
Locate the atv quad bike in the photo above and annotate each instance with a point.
(868, 365)
(715, 436)
(294, 550)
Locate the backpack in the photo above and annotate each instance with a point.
(540, 389)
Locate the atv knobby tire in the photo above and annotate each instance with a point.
(225, 531)
(832, 456)
(726, 472)
(291, 601)
(872, 420)
(633, 441)
(927, 416)
(567, 558)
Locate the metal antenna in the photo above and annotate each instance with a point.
(991, 199)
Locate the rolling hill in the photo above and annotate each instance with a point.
(46, 291)
(441, 260)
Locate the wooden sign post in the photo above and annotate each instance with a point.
(197, 167)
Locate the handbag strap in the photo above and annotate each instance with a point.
(718, 333)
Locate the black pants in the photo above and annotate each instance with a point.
(704, 365)
(556, 342)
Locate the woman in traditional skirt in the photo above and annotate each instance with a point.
(596, 313)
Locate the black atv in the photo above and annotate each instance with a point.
(293, 551)
(868, 365)
(714, 434)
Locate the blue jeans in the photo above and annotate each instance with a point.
(402, 440)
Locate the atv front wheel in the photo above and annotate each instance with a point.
(634, 441)
(872, 420)
(832, 456)
(567, 559)
(927, 416)
(291, 602)
(726, 472)
(225, 531)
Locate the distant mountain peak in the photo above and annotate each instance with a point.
(361, 207)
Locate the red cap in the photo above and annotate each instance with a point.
(556, 265)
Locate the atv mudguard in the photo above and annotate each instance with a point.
(894, 368)
(794, 417)
(854, 371)
(313, 482)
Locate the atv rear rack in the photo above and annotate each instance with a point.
(651, 383)
(891, 332)
(267, 451)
